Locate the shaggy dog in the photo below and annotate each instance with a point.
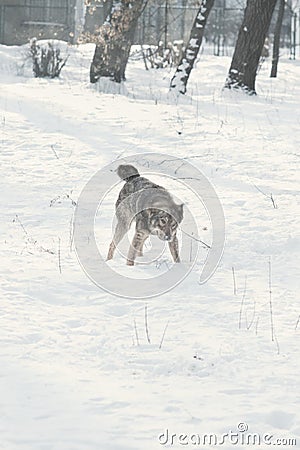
(151, 207)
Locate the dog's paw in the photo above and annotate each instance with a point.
(130, 262)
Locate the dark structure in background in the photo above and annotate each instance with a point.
(21, 20)
(96, 13)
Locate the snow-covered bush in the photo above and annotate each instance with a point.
(46, 59)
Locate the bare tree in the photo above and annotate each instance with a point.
(250, 42)
(115, 39)
(277, 34)
(180, 79)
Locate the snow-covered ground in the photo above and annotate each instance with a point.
(77, 371)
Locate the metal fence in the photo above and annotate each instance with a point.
(164, 21)
(168, 23)
(156, 23)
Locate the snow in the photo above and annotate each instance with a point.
(77, 371)
(193, 43)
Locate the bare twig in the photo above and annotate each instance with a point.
(234, 282)
(71, 234)
(178, 168)
(16, 219)
(146, 325)
(242, 302)
(277, 345)
(184, 158)
(72, 201)
(270, 301)
(273, 201)
(297, 323)
(195, 239)
(273, 335)
(136, 332)
(144, 57)
(54, 200)
(191, 250)
(59, 199)
(163, 336)
(188, 178)
(162, 261)
(30, 239)
(275, 206)
(256, 326)
(253, 317)
(59, 256)
(53, 149)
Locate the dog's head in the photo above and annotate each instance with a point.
(164, 224)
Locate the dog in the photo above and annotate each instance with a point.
(153, 210)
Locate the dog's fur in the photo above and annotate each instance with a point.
(152, 208)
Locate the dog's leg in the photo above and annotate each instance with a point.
(140, 250)
(136, 246)
(173, 246)
(120, 231)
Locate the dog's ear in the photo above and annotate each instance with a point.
(180, 211)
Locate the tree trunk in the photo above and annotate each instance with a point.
(180, 79)
(248, 49)
(276, 43)
(115, 39)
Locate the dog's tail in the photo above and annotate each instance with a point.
(127, 172)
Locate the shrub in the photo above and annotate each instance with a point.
(46, 59)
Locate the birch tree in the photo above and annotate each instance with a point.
(276, 42)
(115, 39)
(250, 42)
(183, 71)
